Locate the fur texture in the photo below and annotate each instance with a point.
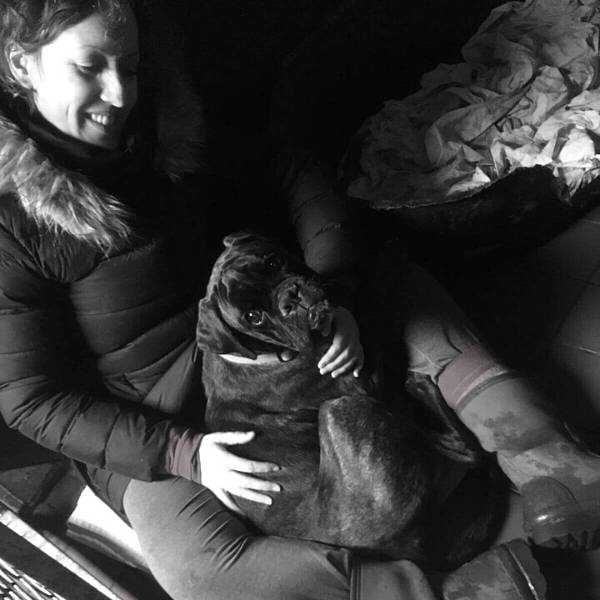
(353, 472)
(66, 201)
(360, 463)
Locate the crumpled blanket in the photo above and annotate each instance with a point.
(527, 93)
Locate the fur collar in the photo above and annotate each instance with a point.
(65, 201)
(56, 198)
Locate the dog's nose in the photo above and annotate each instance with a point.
(289, 298)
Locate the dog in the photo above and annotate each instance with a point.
(356, 470)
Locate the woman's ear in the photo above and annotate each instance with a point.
(20, 64)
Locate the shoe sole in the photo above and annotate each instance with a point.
(561, 529)
(524, 570)
(505, 572)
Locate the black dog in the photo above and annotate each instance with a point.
(354, 472)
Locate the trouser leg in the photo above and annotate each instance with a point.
(197, 550)
(433, 330)
(559, 481)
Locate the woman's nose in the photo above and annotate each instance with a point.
(114, 90)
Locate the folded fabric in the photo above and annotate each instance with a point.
(526, 95)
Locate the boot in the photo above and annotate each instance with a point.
(558, 480)
(506, 572)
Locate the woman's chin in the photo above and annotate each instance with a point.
(111, 144)
(100, 136)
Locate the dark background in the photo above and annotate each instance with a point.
(323, 66)
(317, 69)
(328, 63)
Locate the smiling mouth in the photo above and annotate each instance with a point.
(107, 123)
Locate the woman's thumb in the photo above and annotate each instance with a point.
(231, 438)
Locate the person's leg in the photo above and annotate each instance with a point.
(560, 483)
(197, 550)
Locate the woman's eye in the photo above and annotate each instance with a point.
(274, 262)
(254, 317)
(88, 69)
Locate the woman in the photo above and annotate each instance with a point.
(100, 273)
(84, 91)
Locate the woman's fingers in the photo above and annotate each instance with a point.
(352, 359)
(226, 473)
(345, 368)
(353, 365)
(243, 465)
(330, 355)
(341, 359)
(252, 496)
(345, 351)
(227, 501)
(248, 487)
(237, 480)
(216, 444)
(334, 361)
(231, 438)
(224, 495)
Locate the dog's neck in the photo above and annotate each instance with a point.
(267, 358)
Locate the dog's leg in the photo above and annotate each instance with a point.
(374, 478)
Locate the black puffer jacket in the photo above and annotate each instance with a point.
(98, 289)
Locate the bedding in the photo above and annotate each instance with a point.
(527, 95)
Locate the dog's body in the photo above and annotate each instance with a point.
(355, 471)
(349, 474)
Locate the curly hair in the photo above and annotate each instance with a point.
(32, 24)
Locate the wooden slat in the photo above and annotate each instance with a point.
(66, 562)
(24, 556)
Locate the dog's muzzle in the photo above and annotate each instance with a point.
(295, 294)
(320, 316)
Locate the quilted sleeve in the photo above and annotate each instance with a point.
(319, 213)
(42, 395)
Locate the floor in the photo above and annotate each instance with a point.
(38, 489)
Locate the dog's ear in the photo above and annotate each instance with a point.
(241, 237)
(213, 334)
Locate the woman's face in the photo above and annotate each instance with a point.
(85, 81)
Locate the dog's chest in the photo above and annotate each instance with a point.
(285, 395)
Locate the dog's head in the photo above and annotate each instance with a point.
(260, 298)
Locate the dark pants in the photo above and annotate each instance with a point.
(198, 550)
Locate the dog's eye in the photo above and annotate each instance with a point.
(254, 317)
(273, 262)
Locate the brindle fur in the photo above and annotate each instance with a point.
(355, 470)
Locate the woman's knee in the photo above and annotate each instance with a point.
(187, 538)
(433, 328)
(196, 548)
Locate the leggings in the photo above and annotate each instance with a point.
(198, 550)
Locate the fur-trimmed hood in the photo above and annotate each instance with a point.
(66, 201)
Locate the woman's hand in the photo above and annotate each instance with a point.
(346, 351)
(225, 473)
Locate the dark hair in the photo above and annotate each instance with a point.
(34, 23)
